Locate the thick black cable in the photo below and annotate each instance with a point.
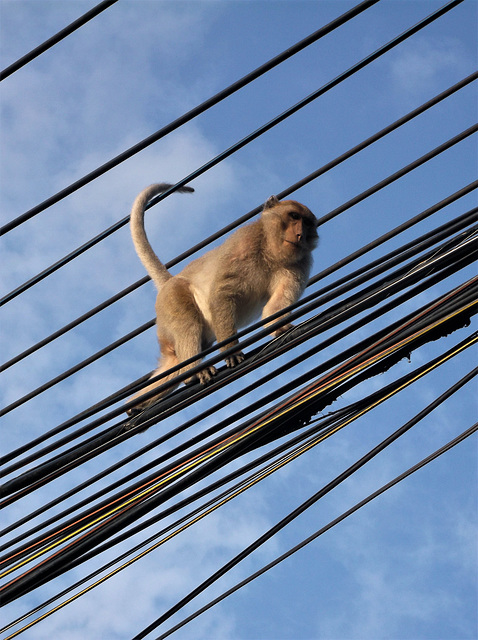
(452, 443)
(47, 385)
(273, 62)
(57, 564)
(316, 371)
(281, 524)
(204, 434)
(333, 314)
(48, 44)
(49, 270)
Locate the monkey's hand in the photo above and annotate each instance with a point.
(284, 329)
(234, 359)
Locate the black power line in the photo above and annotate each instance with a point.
(452, 443)
(68, 30)
(287, 53)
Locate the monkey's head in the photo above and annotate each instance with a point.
(291, 227)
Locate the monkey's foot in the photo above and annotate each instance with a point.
(235, 359)
(206, 374)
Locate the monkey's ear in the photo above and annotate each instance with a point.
(271, 202)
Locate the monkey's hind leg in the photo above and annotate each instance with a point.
(187, 325)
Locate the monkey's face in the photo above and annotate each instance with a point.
(299, 228)
(291, 229)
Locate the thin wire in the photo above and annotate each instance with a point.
(427, 410)
(77, 252)
(419, 373)
(48, 44)
(207, 104)
(452, 443)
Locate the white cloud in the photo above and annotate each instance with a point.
(418, 69)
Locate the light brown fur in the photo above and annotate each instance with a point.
(264, 265)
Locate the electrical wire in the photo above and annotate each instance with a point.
(207, 104)
(118, 517)
(97, 443)
(48, 44)
(377, 450)
(103, 235)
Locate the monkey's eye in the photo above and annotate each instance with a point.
(294, 215)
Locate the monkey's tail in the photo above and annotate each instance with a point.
(153, 265)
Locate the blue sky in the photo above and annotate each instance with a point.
(406, 565)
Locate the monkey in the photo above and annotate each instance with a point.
(264, 265)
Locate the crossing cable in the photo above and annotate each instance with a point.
(15, 588)
(62, 262)
(349, 282)
(244, 484)
(270, 533)
(132, 334)
(211, 431)
(48, 44)
(175, 124)
(333, 313)
(452, 443)
(469, 305)
(447, 447)
(411, 376)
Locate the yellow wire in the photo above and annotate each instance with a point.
(255, 479)
(171, 476)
